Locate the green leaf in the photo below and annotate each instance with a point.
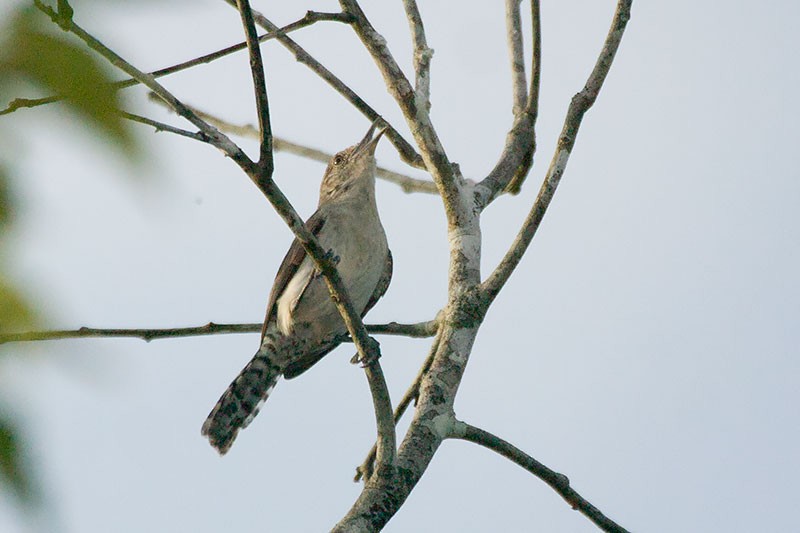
(14, 472)
(64, 67)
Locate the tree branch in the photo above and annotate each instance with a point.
(145, 334)
(160, 126)
(516, 159)
(279, 144)
(418, 330)
(365, 470)
(581, 103)
(265, 161)
(384, 493)
(406, 151)
(417, 117)
(516, 55)
(422, 54)
(559, 482)
(532, 107)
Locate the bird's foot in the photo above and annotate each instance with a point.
(371, 355)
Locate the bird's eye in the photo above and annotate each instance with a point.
(338, 159)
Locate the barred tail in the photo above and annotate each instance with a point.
(239, 404)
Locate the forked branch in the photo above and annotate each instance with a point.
(581, 103)
(517, 157)
(406, 183)
(406, 150)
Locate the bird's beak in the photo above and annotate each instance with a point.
(368, 143)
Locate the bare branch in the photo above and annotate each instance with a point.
(532, 108)
(406, 151)
(517, 56)
(265, 161)
(581, 103)
(279, 144)
(559, 482)
(417, 117)
(310, 18)
(365, 470)
(26, 103)
(422, 54)
(419, 330)
(160, 126)
(146, 335)
(516, 159)
(406, 183)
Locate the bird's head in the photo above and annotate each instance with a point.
(352, 167)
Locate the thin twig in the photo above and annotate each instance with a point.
(559, 482)
(265, 161)
(160, 126)
(516, 55)
(422, 54)
(364, 471)
(279, 144)
(404, 148)
(145, 334)
(581, 103)
(310, 18)
(419, 330)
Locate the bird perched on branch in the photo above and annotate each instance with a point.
(302, 323)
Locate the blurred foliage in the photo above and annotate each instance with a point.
(36, 55)
(6, 201)
(14, 472)
(32, 53)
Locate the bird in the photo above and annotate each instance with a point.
(302, 323)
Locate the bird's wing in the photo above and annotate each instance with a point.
(295, 368)
(383, 284)
(287, 270)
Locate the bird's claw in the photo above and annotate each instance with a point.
(371, 356)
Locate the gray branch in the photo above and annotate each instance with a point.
(418, 330)
(366, 468)
(516, 159)
(581, 103)
(386, 490)
(422, 54)
(279, 144)
(516, 55)
(406, 151)
(559, 482)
